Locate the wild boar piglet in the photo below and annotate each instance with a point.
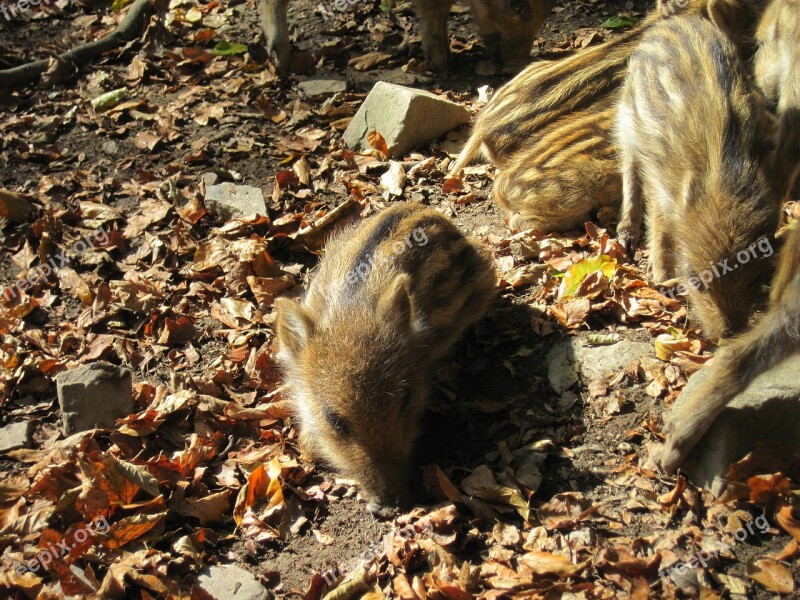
(776, 336)
(508, 28)
(690, 134)
(389, 299)
(777, 73)
(549, 130)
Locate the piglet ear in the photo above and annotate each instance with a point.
(728, 16)
(395, 303)
(293, 329)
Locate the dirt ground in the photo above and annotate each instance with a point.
(586, 492)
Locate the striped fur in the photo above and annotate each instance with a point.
(389, 299)
(688, 128)
(565, 176)
(774, 338)
(777, 335)
(538, 106)
(777, 73)
(547, 91)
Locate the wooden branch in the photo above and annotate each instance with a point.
(56, 70)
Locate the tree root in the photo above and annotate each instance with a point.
(52, 71)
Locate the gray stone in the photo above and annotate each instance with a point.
(318, 88)
(15, 436)
(228, 200)
(209, 178)
(94, 395)
(229, 582)
(768, 410)
(405, 117)
(572, 357)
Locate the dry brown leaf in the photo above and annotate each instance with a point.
(355, 584)
(15, 207)
(674, 496)
(772, 575)
(547, 563)
(785, 516)
(132, 528)
(394, 179)
(210, 509)
(368, 61)
(439, 485)
(378, 142)
(403, 589)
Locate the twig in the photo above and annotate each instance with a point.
(61, 68)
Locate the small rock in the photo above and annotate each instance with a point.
(229, 582)
(405, 117)
(562, 373)
(571, 357)
(94, 395)
(209, 178)
(228, 200)
(768, 410)
(111, 147)
(398, 77)
(318, 88)
(15, 436)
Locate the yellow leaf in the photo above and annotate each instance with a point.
(575, 276)
(667, 345)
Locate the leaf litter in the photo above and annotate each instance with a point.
(528, 493)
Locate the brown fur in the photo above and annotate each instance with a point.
(777, 73)
(567, 174)
(688, 128)
(774, 338)
(539, 106)
(507, 26)
(360, 350)
(544, 92)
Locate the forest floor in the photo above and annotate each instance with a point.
(524, 491)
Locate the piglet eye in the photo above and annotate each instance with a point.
(337, 422)
(518, 7)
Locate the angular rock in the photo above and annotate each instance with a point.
(318, 88)
(405, 117)
(229, 582)
(94, 395)
(768, 410)
(209, 178)
(228, 200)
(571, 357)
(15, 436)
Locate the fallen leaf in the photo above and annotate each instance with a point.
(772, 575)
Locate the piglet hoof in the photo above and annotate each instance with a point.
(627, 240)
(438, 56)
(282, 59)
